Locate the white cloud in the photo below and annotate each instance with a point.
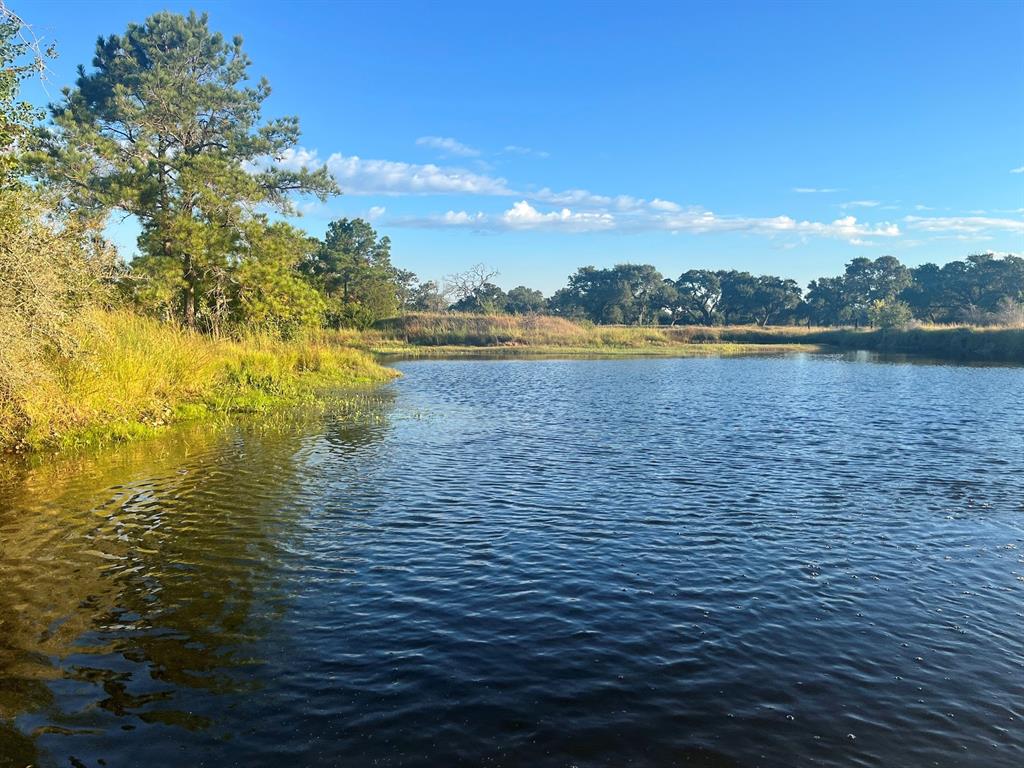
(298, 158)
(522, 215)
(847, 228)
(665, 205)
(447, 146)
(515, 149)
(357, 176)
(815, 190)
(459, 218)
(963, 224)
(580, 210)
(571, 197)
(1017, 170)
(376, 212)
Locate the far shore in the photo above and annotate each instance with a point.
(452, 334)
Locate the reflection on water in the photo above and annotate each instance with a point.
(138, 584)
(802, 560)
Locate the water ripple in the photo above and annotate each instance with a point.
(776, 561)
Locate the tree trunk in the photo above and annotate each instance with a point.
(190, 298)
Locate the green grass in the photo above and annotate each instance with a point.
(423, 334)
(131, 376)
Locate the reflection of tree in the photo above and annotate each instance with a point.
(143, 581)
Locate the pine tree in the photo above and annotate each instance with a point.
(165, 127)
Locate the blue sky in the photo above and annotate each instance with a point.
(536, 138)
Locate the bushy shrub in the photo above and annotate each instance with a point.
(51, 267)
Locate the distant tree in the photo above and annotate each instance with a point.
(774, 299)
(353, 269)
(699, 292)
(736, 304)
(474, 291)
(646, 290)
(486, 299)
(525, 301)
(928, 294)
(1010, 312)
(889, 313)
(981, 281)
(593, 294)
(635, 294)
(427, 297)
(826, 301)
(405, 285)
(565, 302)
(866, 281)
(164, 128)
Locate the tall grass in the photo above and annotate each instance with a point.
(994, 343)
(130, 374)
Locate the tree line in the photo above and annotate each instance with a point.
(981, 289)
(167, 127)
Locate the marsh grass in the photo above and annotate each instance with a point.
(431, 334)
(131, 375)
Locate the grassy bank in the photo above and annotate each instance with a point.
(128, 376)
(428, 334)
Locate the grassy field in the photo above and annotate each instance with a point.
(450, 334)
(129, 376)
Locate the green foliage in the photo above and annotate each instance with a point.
(867, 282)
(826, 301)
(979, 288)
(426, 297)
(18, 61)
(164, 128)
(698, 294)
(269, 294)
(487, 299)
(524, 301)
(634, 294)
(889, 313)
(352, 267)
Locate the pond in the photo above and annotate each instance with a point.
(756, 561)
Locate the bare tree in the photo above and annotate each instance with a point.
(470, 282)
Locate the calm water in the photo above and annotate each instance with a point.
(721, 562)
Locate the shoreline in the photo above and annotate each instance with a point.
(452, 333)
(133, 376)
(129, 377)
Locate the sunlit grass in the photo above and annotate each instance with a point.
(131, 375)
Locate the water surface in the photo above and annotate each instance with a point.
(784, 561)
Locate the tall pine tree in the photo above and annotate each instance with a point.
(165, 127)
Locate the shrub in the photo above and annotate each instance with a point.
(50, 269)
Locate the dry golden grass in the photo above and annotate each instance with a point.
(549, 334)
